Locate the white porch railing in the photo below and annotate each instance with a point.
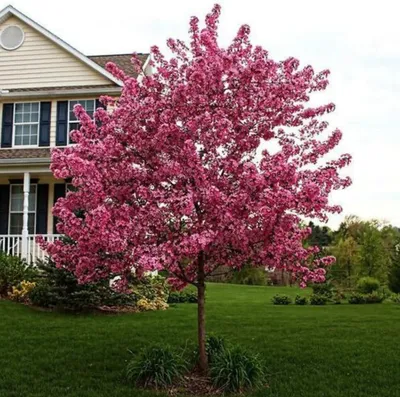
(12, 244)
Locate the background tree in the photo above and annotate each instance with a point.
(173, 178)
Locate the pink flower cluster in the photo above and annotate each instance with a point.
(175, 171)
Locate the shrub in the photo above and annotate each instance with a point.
(338, 297)
(155, 367)
(59, 288)
(318, 300)
(280, 299)
(358, 298)
(325, 289)
(184, 296)
(21, 293)
(249, 275)
(395, 298)
(13, 271)
(374, 297)
(215, 345)
(300, 300)
(366, 285)
(235, 370)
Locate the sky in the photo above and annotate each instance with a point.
(359, 41)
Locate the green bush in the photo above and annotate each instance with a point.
(249, 275)
(338, 297)
(357, 298)
(184, 296)
(280, 299)
(156, 367)
(395, 298)
(59, 288)
(318, 299)
(366, 285)
(325, 289)
(13, 271)
(215, 345)
(300, 300)
(235, 370)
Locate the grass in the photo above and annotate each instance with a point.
(336, 350)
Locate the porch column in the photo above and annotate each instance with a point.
(27, 183)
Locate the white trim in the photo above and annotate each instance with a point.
(58, 41)
(18, 45)
(77, 121)
(14, 146)
(22, 212)
(63, 92)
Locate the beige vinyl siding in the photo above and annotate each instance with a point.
(41, 63)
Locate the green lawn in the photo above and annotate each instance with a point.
(345, 350)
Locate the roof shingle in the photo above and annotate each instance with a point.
(123, 61)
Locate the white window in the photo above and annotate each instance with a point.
(26, 123)
(73, 123)
(17, 209)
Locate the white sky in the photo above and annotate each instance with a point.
(359, 41)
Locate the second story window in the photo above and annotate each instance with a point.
(26, 123)
(87, 104)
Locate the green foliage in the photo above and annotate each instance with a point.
(318, 300)
(395, 298)
(59, 288)
(320, 236)
(249, 275)
(184, 296)
(357, 298)
(235, 370)
(325, 289)
(156, 367)
(394, 273)
(366, 285)
(280, 299)
(300, 300)
(215, 345)
(338, 297)
(13, 271)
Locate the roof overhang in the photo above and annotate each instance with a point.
(56, 93)
(11, 11)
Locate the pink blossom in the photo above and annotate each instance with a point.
(172, 174)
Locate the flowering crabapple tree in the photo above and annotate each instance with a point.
(180, 176)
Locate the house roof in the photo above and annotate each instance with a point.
(123, 61)
(40, 153)
(98, 65)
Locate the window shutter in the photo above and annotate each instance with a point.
(99, 105)
(7, 125)
(44, 131)
(59, 191)
(62, 123)
(4, 208)
(42, 198)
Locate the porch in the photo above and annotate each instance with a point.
(27, 196)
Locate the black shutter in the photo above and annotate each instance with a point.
(99, 105)
(7, 125)
(42, 197)
(4, 208)
(62, 123)
(59, 191)
(44, 132)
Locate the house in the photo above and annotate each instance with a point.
(41, 79)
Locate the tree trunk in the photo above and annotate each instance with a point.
(201, 316)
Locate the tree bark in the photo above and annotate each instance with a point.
(201, 316)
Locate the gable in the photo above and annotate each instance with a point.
(39, 62)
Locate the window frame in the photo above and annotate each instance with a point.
(77, 121)
(14, 145)
(22, 212)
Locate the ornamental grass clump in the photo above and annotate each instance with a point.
(157, 367)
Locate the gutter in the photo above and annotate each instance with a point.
(60, 93)
(24, 161)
